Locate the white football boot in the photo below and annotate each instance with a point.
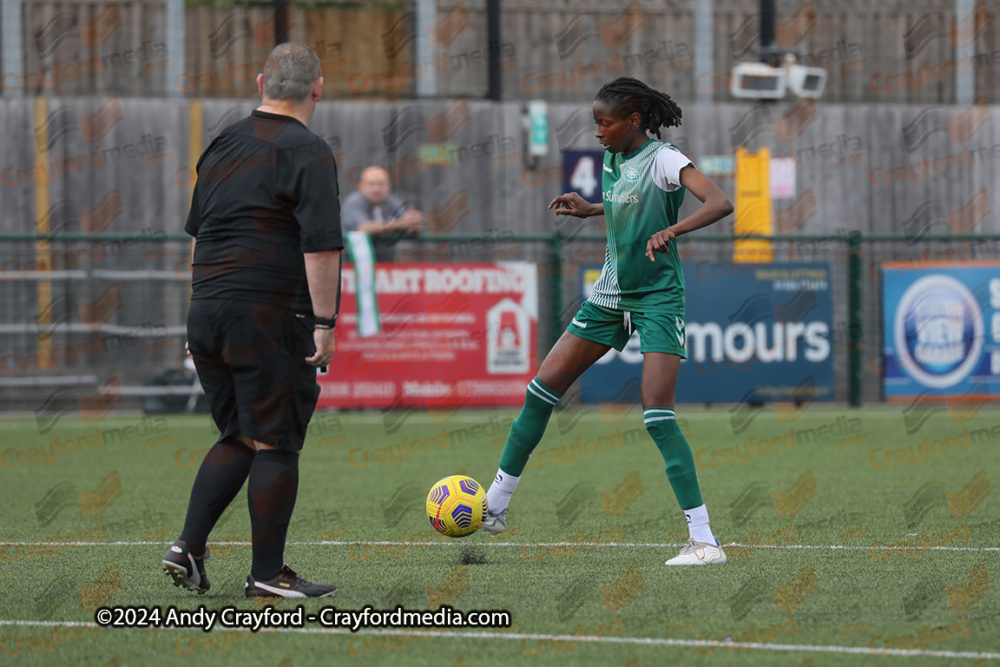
(699, 553)
(494, 524)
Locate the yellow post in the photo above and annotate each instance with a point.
(196, 120)
(195, 131)
(43, 248)
(753, 207)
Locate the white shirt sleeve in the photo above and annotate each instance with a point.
(666, 168)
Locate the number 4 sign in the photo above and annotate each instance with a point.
(582, 174)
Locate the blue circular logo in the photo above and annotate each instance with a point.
(939, 331)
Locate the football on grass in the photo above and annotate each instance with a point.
(456, 506)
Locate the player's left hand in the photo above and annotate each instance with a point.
(659, 242)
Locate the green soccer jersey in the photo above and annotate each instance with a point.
(642, 194)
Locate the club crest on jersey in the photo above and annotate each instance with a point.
(631, 172)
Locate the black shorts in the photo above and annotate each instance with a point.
(251, 363)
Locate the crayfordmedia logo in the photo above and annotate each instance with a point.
(939, 331)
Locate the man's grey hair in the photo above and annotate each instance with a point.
(290, 71)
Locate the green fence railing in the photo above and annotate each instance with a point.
(553, 248)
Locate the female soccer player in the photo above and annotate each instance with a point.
(643, 183)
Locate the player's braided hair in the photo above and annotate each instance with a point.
(630, 95)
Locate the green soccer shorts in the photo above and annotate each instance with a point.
(658, 331)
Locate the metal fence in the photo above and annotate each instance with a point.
(85, 312)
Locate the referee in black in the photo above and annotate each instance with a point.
(265, 218)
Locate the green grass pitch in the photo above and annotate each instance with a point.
(589, 530)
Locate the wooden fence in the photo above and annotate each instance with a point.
(889, 51)
(870, 168)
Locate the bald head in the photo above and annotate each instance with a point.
(374, 184)
(290, 71)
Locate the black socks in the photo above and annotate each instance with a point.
(273, 487)
(219, 479)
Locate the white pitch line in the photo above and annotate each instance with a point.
(455, 543)
(591, 639)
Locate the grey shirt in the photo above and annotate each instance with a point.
(357, 210)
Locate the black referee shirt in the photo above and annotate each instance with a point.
(266, 193)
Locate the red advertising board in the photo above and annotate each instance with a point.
(452, 335)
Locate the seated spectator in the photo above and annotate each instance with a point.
(376, 212)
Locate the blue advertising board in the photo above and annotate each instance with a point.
(942, 330)
(754, 332)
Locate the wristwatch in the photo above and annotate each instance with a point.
(326, 322)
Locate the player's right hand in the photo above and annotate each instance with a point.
(325, 347)
(573, 204)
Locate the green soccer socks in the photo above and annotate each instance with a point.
(527, 430)
(525, 434)
(661, 423)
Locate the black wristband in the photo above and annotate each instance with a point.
(326, 322)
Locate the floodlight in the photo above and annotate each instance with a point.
(806, 81)
(758, 81)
